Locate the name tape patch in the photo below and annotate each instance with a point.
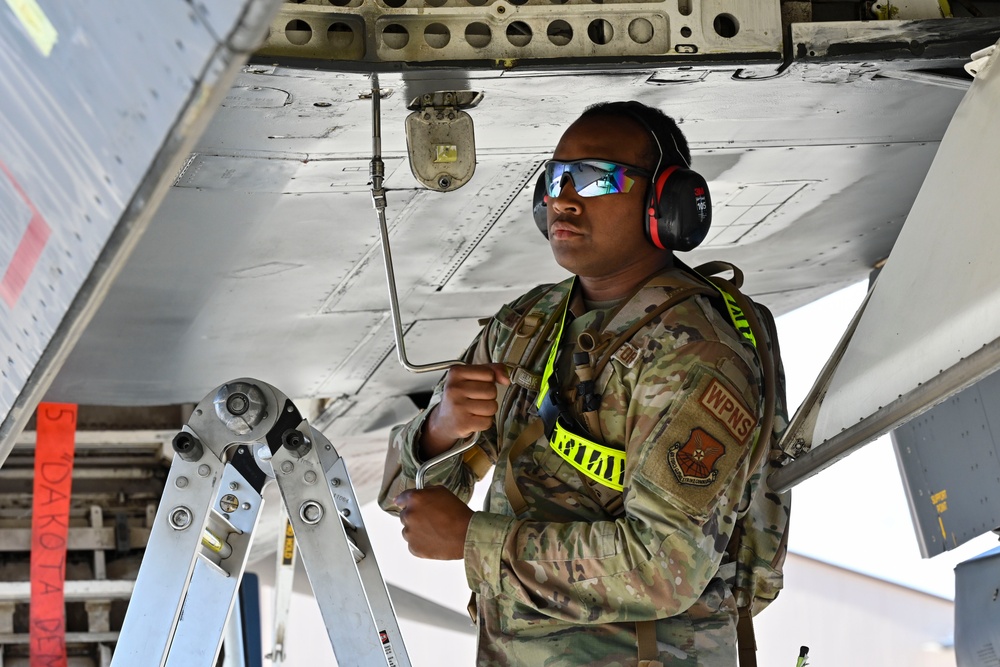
(729, 410)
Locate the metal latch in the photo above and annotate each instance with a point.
(440, 138)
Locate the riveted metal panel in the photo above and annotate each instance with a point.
(977, 611)
(950, 463)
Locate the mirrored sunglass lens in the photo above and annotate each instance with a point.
(603, 182)
(591, 179)
(554, 172)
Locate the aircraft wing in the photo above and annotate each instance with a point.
(86, 158)
(263, 259)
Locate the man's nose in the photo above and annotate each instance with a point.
(567, 199)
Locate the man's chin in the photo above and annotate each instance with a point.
(566, 258)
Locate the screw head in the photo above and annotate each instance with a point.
(309, 477)
(181, 482)
(204, 470)
(229, 503)
(233, 486)
(287, 466)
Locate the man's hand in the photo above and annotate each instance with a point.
(467, 406)
(434, 522)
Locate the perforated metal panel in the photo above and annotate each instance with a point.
(506, 32)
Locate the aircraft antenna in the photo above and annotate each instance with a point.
(378, 199)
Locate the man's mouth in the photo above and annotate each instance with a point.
(562, 230)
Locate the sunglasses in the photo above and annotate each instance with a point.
(591, 178)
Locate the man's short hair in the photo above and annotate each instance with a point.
(672, 141)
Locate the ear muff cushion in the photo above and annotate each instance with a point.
(679, 210)
(539, 208)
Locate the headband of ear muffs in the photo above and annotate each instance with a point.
(678, 207)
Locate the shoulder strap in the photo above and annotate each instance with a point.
(740, 308)
(523, 328)
(763, 442)
(745, 637)
(679, 294)
(518, 357)
(645, 640)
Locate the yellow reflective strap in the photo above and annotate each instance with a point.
(602, 464)
(550, 364)
(736, 315)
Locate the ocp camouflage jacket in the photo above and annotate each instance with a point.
(564, 581)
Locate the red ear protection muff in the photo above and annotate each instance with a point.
(678, 206)
(678, 210)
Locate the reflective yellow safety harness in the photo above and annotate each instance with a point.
(604, 465)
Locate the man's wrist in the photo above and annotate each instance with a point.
(431, 444)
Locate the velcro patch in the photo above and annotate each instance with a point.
(729, 410)
(626, 355)
(694, 462)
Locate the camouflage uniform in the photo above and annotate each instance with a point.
(564, 582)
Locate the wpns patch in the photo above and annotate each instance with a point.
(694, 462)
(729, 410)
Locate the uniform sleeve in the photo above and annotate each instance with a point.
(690, 429)
(403, 457)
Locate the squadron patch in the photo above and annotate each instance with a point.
(729, 410)
(694, 462)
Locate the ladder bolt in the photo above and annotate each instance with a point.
(296, 442)
(238, 403)
(287, 466)
(311, 512)
(204, 470)
(181, 482)
(180, 518)
(310, 477)
(188, 447)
